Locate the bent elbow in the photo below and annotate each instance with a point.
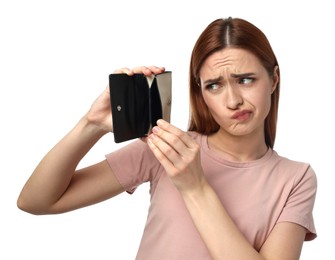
(23, 205)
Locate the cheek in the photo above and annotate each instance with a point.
(260, 100)
(263, 103)
(210, 101)
(206, 99)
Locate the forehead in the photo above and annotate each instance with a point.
(230, 60)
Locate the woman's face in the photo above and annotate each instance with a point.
(237, 90)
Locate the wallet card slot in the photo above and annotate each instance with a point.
(164, 84)
(142, 105)
(155, 104)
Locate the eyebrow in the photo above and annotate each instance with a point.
(233, 75)
(210, 81)
(242, 75)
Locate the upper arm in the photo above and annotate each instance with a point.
(88, 186)
(284, 242)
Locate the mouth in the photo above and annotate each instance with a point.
(243, 115)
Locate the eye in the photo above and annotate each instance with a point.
(246, 81)
(213, 87)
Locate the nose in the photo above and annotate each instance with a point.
(233, 97)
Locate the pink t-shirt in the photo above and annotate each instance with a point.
(256, 194)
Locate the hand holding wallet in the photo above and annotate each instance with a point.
(137, 102)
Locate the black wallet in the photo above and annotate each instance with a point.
(137, 102)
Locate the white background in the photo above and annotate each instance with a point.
(55, 57)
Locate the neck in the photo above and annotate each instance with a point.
(238, 148)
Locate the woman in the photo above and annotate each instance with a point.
(218, 191)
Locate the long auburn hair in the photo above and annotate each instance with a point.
(232, 33)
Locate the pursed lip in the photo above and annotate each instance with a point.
(241, 115)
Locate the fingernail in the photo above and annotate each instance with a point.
(160, 122)
(156, 130)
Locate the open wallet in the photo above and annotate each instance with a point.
(137, 102)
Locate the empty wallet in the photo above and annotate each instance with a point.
(137, 102)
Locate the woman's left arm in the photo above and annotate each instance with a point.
(179, 154)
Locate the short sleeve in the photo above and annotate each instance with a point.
(133, 165)
(299, 206)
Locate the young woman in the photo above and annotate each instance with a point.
(219, 190)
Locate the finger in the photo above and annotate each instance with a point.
(156, 70)
(179, 149)
(167, 164)
(169, 128)
(167, 149)
(171, 145)
(148, 71)
(124, 70)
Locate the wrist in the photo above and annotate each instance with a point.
(90, 128)
(197, 192)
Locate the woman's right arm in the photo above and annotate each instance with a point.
(56, 186)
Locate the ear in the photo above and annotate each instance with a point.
(275, 79)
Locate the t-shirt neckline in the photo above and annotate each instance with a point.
(235, 164)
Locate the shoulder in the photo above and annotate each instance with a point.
(131, 146)
(134, 164)
(298, 170)
(301, 186)
(136, 155)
